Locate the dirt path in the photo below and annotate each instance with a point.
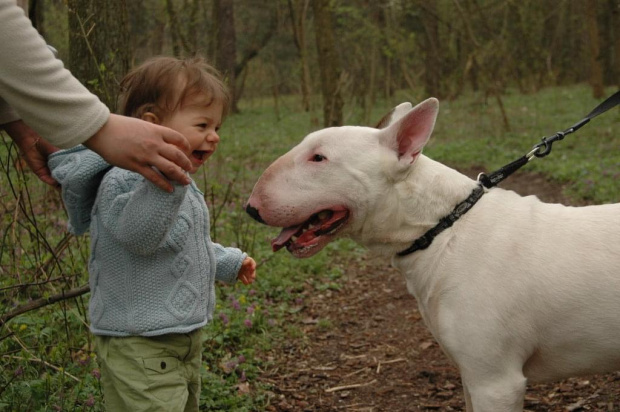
(366, 348)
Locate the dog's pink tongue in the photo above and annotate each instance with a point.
(284, 236)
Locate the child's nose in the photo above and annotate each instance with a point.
(213, 137)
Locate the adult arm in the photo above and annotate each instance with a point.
(58, 107)
(39, 89)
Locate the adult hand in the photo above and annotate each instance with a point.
(33, 148)
(139, 146)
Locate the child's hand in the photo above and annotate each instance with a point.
(247, 273)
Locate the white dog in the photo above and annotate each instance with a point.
(514, 291)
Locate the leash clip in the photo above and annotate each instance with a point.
(543, 148)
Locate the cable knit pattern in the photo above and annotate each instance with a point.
(153, 265)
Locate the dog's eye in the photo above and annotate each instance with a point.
(318, 158)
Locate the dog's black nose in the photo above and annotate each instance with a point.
(252, 211)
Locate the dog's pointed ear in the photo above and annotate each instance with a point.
(410, 133)
(394, 115)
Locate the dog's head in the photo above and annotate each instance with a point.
(336, 181)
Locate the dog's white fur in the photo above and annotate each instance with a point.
(516, 291)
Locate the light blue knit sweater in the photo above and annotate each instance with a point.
(153, 265)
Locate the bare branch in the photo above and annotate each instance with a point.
(39, 303)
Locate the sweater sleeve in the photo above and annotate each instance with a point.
(38, 87)
(137, 213)
(228, 263)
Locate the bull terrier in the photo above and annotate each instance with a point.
(513, 289)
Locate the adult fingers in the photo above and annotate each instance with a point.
(170, 169)
(156, 178)
(175, 138)
(175, 155)
(43, 172)
(45, 176)
(37, 161)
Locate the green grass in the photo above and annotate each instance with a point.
(470, 132)
(46, 356)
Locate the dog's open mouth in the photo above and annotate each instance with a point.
(314, 233)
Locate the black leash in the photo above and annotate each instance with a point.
(542, 149)
(426, 239)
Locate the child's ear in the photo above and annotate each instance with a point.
(151, 118)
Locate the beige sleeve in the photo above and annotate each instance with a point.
(38, 87)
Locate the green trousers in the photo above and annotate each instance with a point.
(160, 373)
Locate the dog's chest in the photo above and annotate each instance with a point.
(424, 282)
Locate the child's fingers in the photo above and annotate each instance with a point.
(247, 273)
(248, 277)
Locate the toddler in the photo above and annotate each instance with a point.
(152, 265)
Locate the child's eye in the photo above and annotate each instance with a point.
(202, 125)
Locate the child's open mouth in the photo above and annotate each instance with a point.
(200, 155)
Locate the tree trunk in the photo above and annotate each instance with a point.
(226, 50)
(175, 33)
(183, 32)
(35, 13)
(614, 6)
(258, 43)
(596, 68)
(99, 47)
(329, 65)
(298, 13)
(432, 50)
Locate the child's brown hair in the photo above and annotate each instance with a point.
(161, 85)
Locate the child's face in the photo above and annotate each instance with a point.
(199, 123)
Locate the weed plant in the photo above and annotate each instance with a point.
(47, 360)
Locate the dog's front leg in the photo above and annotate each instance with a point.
(486, 391)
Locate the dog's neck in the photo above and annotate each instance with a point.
(429, 192)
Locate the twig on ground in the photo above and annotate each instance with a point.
(388, 362)
(324, 368)
(356, 372)
(353, 386)
(345, 356)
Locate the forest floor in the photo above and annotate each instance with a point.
(365, 348)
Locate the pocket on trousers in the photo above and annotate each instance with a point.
(164, 380)
(161, 365)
